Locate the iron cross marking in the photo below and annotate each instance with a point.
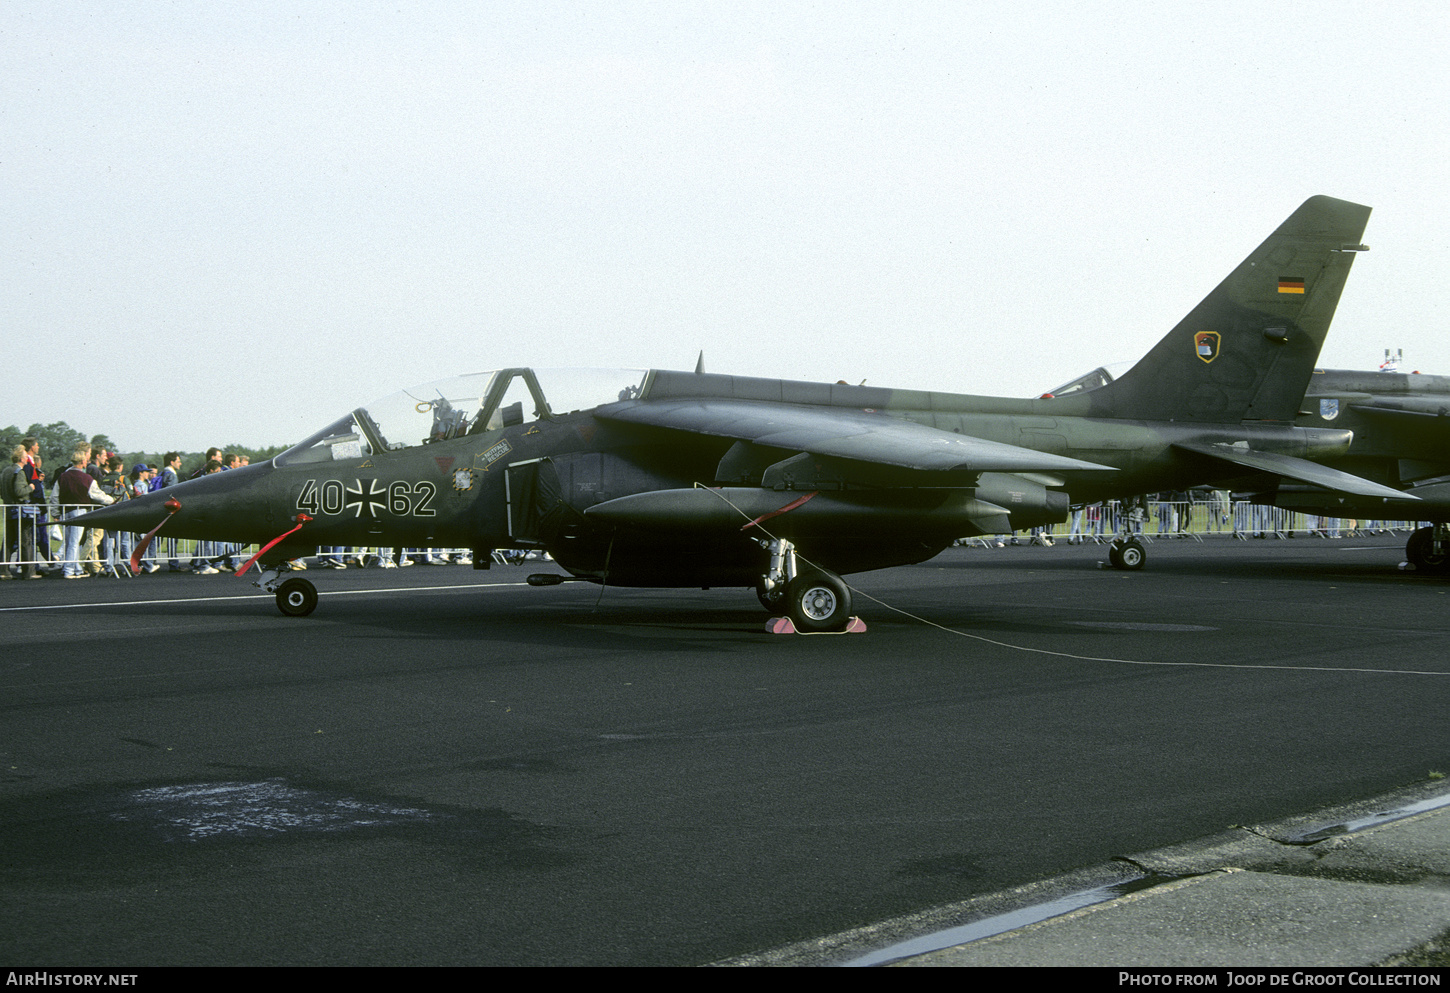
(357, 499)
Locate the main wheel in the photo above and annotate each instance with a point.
(1132, 555)
(1424, 554)
(297, 598)
(773, 601)
(818, 601)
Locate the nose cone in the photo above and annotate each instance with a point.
(139, 514)
(225, 506)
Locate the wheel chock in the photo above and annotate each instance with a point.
(784, 625)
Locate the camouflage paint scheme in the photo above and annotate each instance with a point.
(658, 488)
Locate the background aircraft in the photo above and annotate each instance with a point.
(1401, 439)
(690, 479)
(1401, 425)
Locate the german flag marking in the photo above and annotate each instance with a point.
(1291, 284)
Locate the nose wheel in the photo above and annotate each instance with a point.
(297, 598)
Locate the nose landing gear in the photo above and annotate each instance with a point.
(296, 597)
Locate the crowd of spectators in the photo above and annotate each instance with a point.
(36, 508)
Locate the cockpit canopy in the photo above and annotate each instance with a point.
(464, 405)
(1099, 377)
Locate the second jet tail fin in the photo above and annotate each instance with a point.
(1248, 350)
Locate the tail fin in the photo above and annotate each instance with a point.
(1248, 350)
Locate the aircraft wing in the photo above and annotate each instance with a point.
(1298, 469)
(844, 433)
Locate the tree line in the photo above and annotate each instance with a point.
(59, 440)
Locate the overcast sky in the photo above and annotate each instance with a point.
(233, 222)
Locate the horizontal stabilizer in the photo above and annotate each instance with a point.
(1298, 469)
(841, 432)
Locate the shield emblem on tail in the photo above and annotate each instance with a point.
(1206, 345)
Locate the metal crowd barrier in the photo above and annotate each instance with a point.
(32, 537)
(1194, 519)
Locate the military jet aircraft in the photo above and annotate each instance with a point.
(1401, 428)
(1401, 425)
(660, 478)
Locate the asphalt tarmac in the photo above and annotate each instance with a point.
(444, 766)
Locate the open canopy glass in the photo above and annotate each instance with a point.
(464, 405)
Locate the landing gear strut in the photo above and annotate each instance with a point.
(814, 599)
(771, 600)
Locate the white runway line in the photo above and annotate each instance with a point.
(256, 596)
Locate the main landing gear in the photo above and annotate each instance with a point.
(1428, 549)
(814, 599)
